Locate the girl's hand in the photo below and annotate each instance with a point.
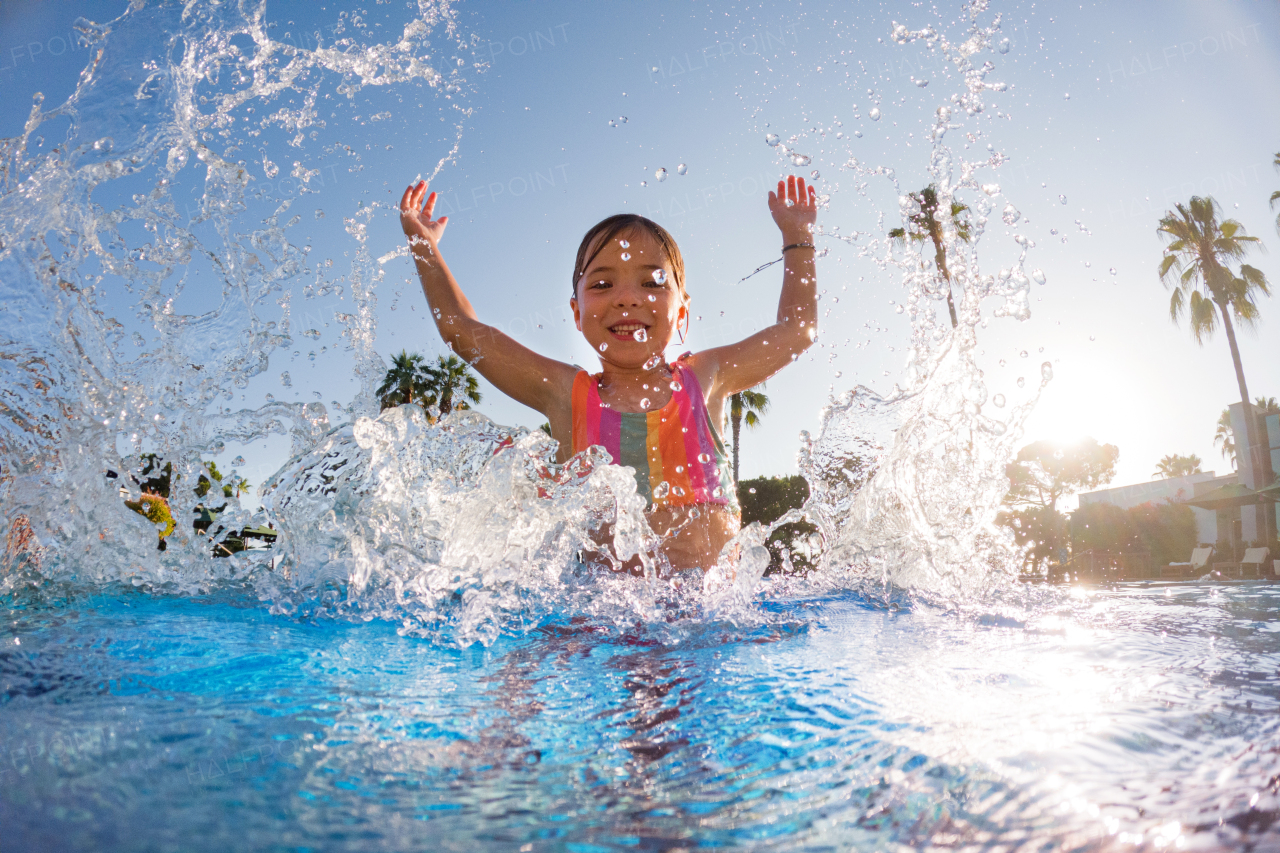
(415, 216)
(795, 210)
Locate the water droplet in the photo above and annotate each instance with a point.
(874, 114)
(717, 492)
(311, 356)
(661, 175)
(1037, 275)
(644, 403)
(858, 133)
(922, 83)
(1112, 270)
(660, 276)
(682, 169)
(676, 386)
(678, 491)
(612, 123)
(1023, 353)
(897, 310)
(815, 174)
(270, 398)
(679, 469)
(285, 380)
(751, 490)
(626, 256)
(661, 490)
(319, 213)
(311, 333)
(1021, 381)
(653, 362)
(1010, 214)
(1062, 198)
(1003, 47)
(644, 183)
(652, 298)
(603, 347)
(771, 138)
(704, 458)
(998, 401)
(239, 460)
(640, 335)
(991, 189)
(1091, 337)
(1066, 96)
(622, 119)
(1046, 371)
(801, 159)
(138, 340)
(626, 244)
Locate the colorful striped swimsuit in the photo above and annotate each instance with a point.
(676, 451)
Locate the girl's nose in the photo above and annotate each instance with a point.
(627, 296)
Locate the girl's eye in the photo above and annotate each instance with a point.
(600, 284)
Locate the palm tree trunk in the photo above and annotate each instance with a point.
(736, 422)
(940, 258)
(1260, 478)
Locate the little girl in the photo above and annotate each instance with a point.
(629, 301)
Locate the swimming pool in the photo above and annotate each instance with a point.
(1131, 717)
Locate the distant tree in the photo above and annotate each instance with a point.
(745, 406)
(1043, 473)
(925, 225)
(1174, 465)
(452, 384)
(1046, 471)
(1225, 436)
(1166, 530)
(766, 499)
(407, 381)
(1275, 196)
(546, 427)
(1196, 264)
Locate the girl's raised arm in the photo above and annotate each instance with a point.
(736, 367)
(517, 371)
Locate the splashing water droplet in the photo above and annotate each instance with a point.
(1062, 199)
(1112, 270)
(239, 460)
(626, 256)
(801, 159)
(679, 469)
(1066, 96)
(682, 169)
(644, 183)
(661, 490)
(1046, 371)
(1038, 276)
(922, 83)
(998, 401)
(652, 298)
(771, 138)
(1003, 46)
(1010, 214)
(603, 347)
(640, 335)
(661, 175)
(704, 458)
(626, 244)
(644, 403)
(874, 114)
(1023, 354)
(676, 386)
(1022, 381)
(139, 340)
(815, 174)
(660, 276)
(653, 362)
(858, 133)
(285, 380)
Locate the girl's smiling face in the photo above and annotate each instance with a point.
(628, 304)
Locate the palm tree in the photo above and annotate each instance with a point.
(746, 406)
(406, 382)
(1196, 265)
(1178, 466)
(1275, 196)
(925, 226)
(452, 384)
(1262, 408)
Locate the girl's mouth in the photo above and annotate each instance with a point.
(624, 331)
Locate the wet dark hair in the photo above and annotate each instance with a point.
(606, 229)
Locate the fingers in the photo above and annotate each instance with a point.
(405, 199)
(429, 206)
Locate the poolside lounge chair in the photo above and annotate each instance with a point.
(1198, 566)
(1255, 563)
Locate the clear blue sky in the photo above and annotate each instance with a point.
(1165, 100)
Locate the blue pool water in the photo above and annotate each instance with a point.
(1134, 717)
